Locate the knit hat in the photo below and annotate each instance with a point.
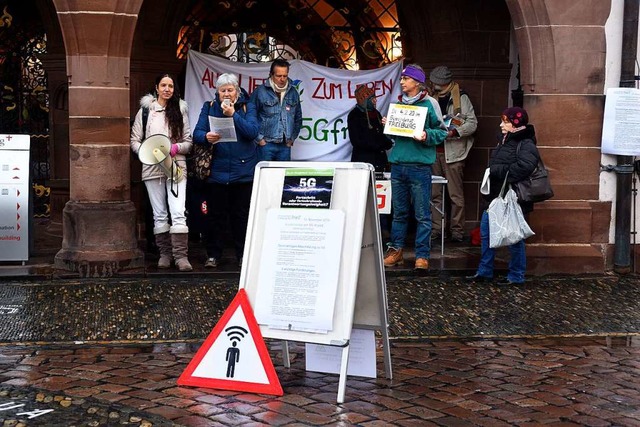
(415, 73)
(441, 75)
(363, 92)
(516, 115)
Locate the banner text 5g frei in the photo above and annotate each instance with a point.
(316, 129)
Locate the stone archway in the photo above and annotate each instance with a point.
(99, 219)
(562, 50)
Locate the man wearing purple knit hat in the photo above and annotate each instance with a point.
(411, 159)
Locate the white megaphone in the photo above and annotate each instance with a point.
(155, 151)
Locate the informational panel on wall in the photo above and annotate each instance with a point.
(14, 197)
(621, 125)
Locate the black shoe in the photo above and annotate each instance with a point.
(476, 278)
(506, 282)
(456, 239)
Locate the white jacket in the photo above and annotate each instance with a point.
(156, 124)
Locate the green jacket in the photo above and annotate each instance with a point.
(407, 150)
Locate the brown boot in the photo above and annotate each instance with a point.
(180, 243)
(393, 257)
(164, 246)
(422, 264)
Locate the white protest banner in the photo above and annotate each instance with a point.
(405, 120)
(326, 94)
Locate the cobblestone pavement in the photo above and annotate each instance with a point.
(187, 307)
(557, 351)
(444, 382)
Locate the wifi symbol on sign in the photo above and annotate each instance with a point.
(236, 333)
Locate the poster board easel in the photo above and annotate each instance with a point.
(361, 300)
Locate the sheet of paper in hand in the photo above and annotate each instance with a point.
(223, 126)
(405, 120)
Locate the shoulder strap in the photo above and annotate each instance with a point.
(455, 97)
(145, 118)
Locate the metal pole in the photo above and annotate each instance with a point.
(622, 258)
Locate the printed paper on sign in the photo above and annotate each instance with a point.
(405, 120)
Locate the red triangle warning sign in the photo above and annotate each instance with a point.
(234, 355)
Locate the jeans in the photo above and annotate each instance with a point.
(517, 263)
(411, 183)
(276, 152)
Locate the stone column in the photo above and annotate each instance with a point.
(99, 219)
(562, 50)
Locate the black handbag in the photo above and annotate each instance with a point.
(537, 187)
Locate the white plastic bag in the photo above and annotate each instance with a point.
(485, 188)
(506, 221)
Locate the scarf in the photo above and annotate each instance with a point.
(280, 91)
(454, 90)
(406, 99)
(369, 111)
(504, 137)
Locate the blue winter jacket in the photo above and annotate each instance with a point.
(232, 161)
(277, 119)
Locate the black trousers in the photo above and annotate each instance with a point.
(227, 209)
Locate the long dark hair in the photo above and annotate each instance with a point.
(173, 115)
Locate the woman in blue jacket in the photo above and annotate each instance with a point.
(228, 188)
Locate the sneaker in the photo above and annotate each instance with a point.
(506, 282)
(211, 263)
(422, 264)
(476, 278)
(393, 257)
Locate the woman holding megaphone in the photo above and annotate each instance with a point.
(163, 120)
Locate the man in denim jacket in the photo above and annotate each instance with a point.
(279, 112)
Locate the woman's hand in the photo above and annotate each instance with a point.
(213, 137)
(262, 142)
(384, 120)
(227, 109)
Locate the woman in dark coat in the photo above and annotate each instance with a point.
(365, 131)
(517, 154)
(228, 188)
